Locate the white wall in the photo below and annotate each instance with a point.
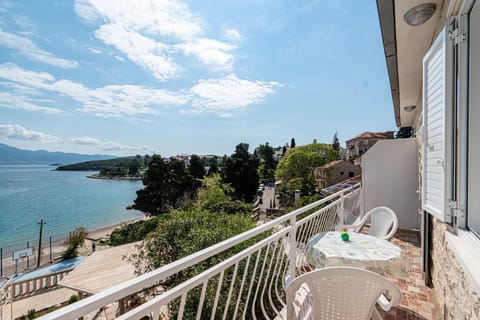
(390, 179)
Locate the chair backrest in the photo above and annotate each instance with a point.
(340, 293)
(383, 222)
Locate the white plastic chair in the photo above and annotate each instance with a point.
(383, 223)
(340, 293)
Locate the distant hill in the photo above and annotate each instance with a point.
(12, 155)
(98, 165)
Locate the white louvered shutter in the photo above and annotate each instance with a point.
(436, 129)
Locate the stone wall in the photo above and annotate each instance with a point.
(455, 296)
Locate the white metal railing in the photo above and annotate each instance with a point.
(5, 298)
(34, 285)
(249, 284)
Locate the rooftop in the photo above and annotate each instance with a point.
(373, 135)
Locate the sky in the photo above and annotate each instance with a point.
(197, 77)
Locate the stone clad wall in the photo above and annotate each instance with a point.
(455, 296)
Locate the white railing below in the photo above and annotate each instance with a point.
(247, 284)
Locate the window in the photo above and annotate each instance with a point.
(351, 174)
(341, 173)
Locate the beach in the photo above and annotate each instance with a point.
(58, 247)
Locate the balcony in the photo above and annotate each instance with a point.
(249, 282)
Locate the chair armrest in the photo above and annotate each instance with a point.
(288, 280)
(355, 227)
(384, 303)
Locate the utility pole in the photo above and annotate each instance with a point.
(41, 223)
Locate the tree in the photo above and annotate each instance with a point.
(165, 185)
(292, 143)
(146, 160)
(212, 192)
(135, 165)
(266, 169)
(297, 167)
(336, 143)
(74, 242)
(196, 167)
(215, 197)
(184, 233)
(240, 171)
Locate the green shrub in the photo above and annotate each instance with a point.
(73, 299)
(31, 314)
(133, 232)
(182, 233)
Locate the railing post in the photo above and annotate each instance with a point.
(293, 247)
(341, 209)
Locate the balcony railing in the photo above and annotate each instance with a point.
(248, 284)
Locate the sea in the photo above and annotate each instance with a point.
(64, 200)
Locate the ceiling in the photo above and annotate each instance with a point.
(405, 46)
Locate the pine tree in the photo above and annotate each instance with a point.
(336, 143)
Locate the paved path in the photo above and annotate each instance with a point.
(268, 198)
(37, 302)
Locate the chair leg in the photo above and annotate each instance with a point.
(376, 315)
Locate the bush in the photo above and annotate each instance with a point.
(31, 314)
(74, 242)
(133, 232)
(310, 199)
(73, 299)
(182, 233)
(231, 207)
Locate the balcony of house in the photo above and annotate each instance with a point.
(244, 276)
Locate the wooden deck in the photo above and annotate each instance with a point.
(101, 270)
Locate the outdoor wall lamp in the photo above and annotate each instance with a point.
(409, 108)
(420, 14)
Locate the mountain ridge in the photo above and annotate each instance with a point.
(15, 156)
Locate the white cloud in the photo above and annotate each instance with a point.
(128, 100)
(233, 35)
(86, 141)
(13, 101)
(119, 58)
(114, 146)
(153, 17)
(15, 131)
(105, 146)
(148, 53)
(95, 51)
(150, 33)
(27, 48)
(108, 101)
(221, 96)
(19, 89)
(211, 52)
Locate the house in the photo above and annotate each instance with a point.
(359, 144)
(432, 50)
(335, 172)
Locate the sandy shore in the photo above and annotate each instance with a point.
(106, 231)
(58, 247)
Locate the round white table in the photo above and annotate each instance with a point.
(327, 249)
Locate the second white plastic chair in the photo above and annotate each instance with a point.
(383, 223)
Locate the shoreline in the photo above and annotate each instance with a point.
(58, 247)
(93, 234)
(115, 178)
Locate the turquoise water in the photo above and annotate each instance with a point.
(63, 199)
